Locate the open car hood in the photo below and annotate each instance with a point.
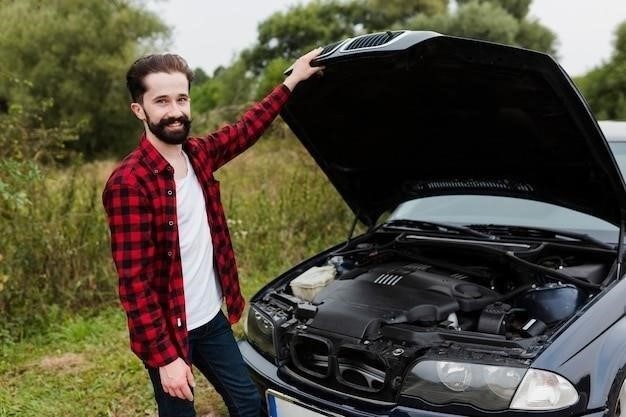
(402, 115)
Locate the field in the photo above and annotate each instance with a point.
(64, 348)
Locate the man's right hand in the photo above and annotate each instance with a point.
(176, 379)
(302, 69)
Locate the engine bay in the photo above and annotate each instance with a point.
(393, 297)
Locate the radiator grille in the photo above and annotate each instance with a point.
(361, 370)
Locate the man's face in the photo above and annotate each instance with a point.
(165, 109)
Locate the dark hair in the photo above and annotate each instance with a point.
(150, 64)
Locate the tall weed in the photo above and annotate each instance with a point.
(281, 209)
(55, 257)
(54, 246)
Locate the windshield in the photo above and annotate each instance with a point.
(476, 209)
(619, 152)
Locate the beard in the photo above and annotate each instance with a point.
(172, 137)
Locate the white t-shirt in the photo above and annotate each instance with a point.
(203, 295)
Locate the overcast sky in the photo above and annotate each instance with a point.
(210, 33)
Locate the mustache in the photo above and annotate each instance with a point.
(184, 120)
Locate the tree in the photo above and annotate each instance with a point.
(288, 34)
(516, 8)
(76, 52)
(379, 15)
(481, 20)
(227, 89)
(604, 87)
(502, 21)
(199, 76)
(232, 85)
(271, 76)
(26, 137)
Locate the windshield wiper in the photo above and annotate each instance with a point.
(538, 233)
(428, 226)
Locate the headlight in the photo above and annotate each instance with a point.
(488, 387)
(455, 376)
(260, 331)
(502, 381)
(543, 390)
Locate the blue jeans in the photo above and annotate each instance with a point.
(215, 354)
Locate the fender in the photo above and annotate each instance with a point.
(592, 349)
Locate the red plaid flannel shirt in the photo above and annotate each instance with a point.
(140, 202)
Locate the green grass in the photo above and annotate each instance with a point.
(71, 356)
(82, 367)
(79, 367)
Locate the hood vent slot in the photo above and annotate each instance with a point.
(375, 39)
(329, 48)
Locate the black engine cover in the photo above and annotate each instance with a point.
(394, 293)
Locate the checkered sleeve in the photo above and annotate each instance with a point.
(231, 140)
(133, 252)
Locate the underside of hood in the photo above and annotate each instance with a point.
(403, 115)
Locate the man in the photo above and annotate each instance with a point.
(169, 239)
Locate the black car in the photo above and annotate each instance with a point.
(489, 281)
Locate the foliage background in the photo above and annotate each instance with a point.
(76, 53)
(64, 123)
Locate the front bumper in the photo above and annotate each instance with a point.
(265, 376)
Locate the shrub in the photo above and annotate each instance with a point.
(55, 258)
(54, 246)
(24, 135)
(53, 234)
(281, 209)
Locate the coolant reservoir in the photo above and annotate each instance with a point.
(311, 281)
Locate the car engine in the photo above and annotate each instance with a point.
(387, 298)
